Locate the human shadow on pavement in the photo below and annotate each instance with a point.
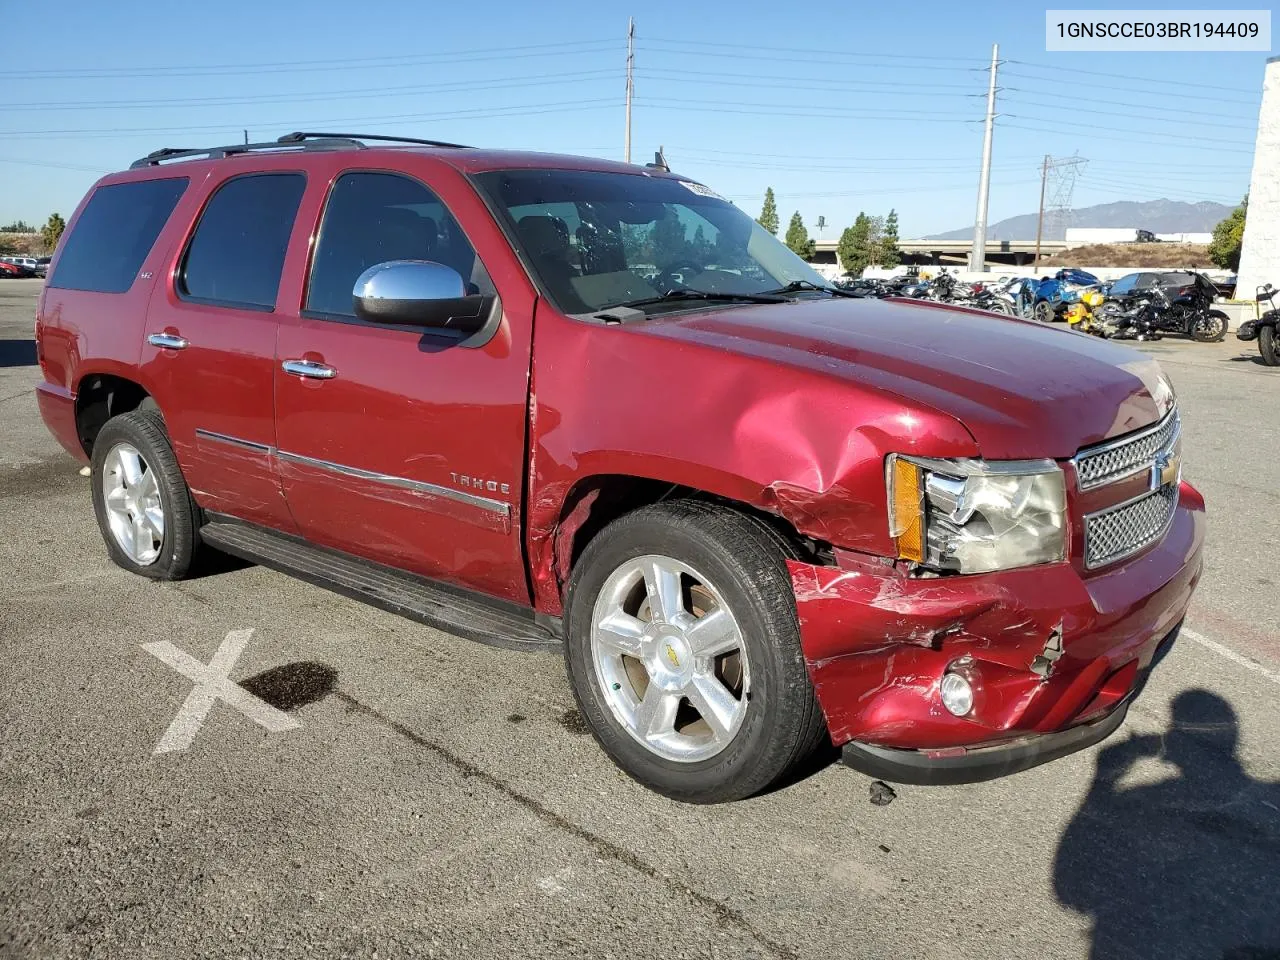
(17, 353)
(1184, 867)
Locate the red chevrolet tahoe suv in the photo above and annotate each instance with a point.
(545, 400)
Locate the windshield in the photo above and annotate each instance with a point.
(600, 240)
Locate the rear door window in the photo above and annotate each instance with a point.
(237, 252)
(114, 233)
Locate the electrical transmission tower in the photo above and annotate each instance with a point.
(1057, 185)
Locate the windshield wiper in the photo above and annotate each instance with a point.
(795, 286)
(682, 293)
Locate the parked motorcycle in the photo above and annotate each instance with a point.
(1264, 328)
(1082, 314)
(1189, 310)
(1140, 318)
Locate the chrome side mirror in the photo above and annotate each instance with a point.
(419, 293)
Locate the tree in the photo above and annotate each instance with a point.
(769, 212)
(798, 238)
(890, 255)
(18, 226)
(1228, 237)
(670, 247)
(854, 247)
(51, 233)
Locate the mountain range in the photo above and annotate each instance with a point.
(1158, 216)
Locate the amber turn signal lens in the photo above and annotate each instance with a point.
(908, 515)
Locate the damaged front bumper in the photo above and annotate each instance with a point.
(1053, 655)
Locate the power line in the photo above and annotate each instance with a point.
(1161, 104)
(497, 83)
(924, 188)
(783, 110)
(1216, 98)
(1135, 116)
(1074, 72)
(1092, 136)
(52, 163)
(1187, 143)
(300, 66)
(568, 106)
(810, 60)
(816, 85)
(755, 48)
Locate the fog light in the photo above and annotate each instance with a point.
(957, 695)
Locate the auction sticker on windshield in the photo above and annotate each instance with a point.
(700, 190)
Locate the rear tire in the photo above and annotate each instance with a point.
(1269, 347)
(1043, 312)
(144, 509)
(723, 561)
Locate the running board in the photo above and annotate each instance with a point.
(453, 609)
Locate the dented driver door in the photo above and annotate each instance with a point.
(393, 444)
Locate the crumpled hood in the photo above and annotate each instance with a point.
(1023, 390)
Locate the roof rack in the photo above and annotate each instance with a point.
(290, 141)
(299, 137)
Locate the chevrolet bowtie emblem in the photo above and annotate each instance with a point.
(1164, 469)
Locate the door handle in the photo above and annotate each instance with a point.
(310, 369)
(170, 341)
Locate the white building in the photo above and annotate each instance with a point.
(1260, 258)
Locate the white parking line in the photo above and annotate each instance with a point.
(1231, 655)
(212, 684)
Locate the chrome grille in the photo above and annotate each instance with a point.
(1124, 530)
(1128, 455)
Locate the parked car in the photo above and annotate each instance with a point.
(42, 266)
(1173, 282)
(755, 515)
(26, 265)
(1055, 294)
(9, 271)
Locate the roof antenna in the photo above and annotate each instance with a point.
(246, 138)
(659, 161)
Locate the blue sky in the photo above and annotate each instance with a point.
(838, 107)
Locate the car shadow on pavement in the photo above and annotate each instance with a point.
(1248, 358)
(17, 353)
(1185, 866)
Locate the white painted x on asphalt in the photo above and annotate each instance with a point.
(212, 685)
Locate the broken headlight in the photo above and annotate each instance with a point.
(971, 516)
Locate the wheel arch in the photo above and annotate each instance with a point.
(596, 500)
(101, 395)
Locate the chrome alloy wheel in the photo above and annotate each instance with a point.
(670, 658)
(134, 509)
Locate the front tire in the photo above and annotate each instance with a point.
(683, 649)
(1209, 328)
(143, 507)
(1044, 312)
(1269, 346)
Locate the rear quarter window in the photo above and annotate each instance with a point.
(114, 233)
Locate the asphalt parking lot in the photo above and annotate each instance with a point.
(424, 795)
